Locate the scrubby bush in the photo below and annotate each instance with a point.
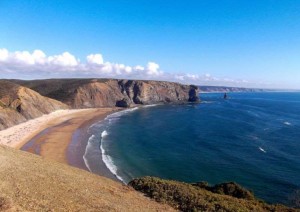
(200, 196)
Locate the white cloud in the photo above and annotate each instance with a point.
(95, 59)
(65, 59)
(153, 69)
(39, 57)
(23, 57)
(3, 54)
(26, 65)
(179, 77)
(139, 68)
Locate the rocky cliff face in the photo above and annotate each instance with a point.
(89, 93)
(22, 100)
(18, 104)
(124, 93)
(149, 92)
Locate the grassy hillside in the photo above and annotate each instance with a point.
(30, 183)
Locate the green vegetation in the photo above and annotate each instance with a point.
(232, 189)
(201, 197)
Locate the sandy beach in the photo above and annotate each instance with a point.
(52, 135)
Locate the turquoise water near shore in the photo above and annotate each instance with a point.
(251, 138)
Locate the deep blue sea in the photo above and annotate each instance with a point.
(250, 138)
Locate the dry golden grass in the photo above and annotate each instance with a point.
(30, 183)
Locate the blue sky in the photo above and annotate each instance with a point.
(231, 42)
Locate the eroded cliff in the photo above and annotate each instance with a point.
(18, 104)
(21, 100)
(89, 93)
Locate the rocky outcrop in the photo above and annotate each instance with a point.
(96, 94)
(89, 93)
(149, 92)
(18, 104)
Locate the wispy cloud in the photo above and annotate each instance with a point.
(26, 65)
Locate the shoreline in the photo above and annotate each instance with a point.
(77, 147)
(61, 136)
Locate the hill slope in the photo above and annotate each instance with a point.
(31, 183)
(18, 104)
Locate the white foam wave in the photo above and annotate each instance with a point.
(106, 158)
(287, 123)
(207, 102)
(97, 124)
(108, 161)
(88, 147)
(261, 149)
(120, 113)
(153, 105)
(104, 134)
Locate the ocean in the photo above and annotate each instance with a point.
(251, 138)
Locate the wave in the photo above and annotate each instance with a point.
(104, 134)
(287, 123)
(120, 113)
(109, 163)
(98, 124)
(88, 147)
(261, 149)
(207, 102)
(153, 105)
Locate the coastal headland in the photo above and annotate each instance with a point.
(50, 118)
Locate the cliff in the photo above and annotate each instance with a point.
(18, 104)
(21, 100)
(89, 93)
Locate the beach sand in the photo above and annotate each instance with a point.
(60, 136)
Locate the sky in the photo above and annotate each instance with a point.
(207, 42)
